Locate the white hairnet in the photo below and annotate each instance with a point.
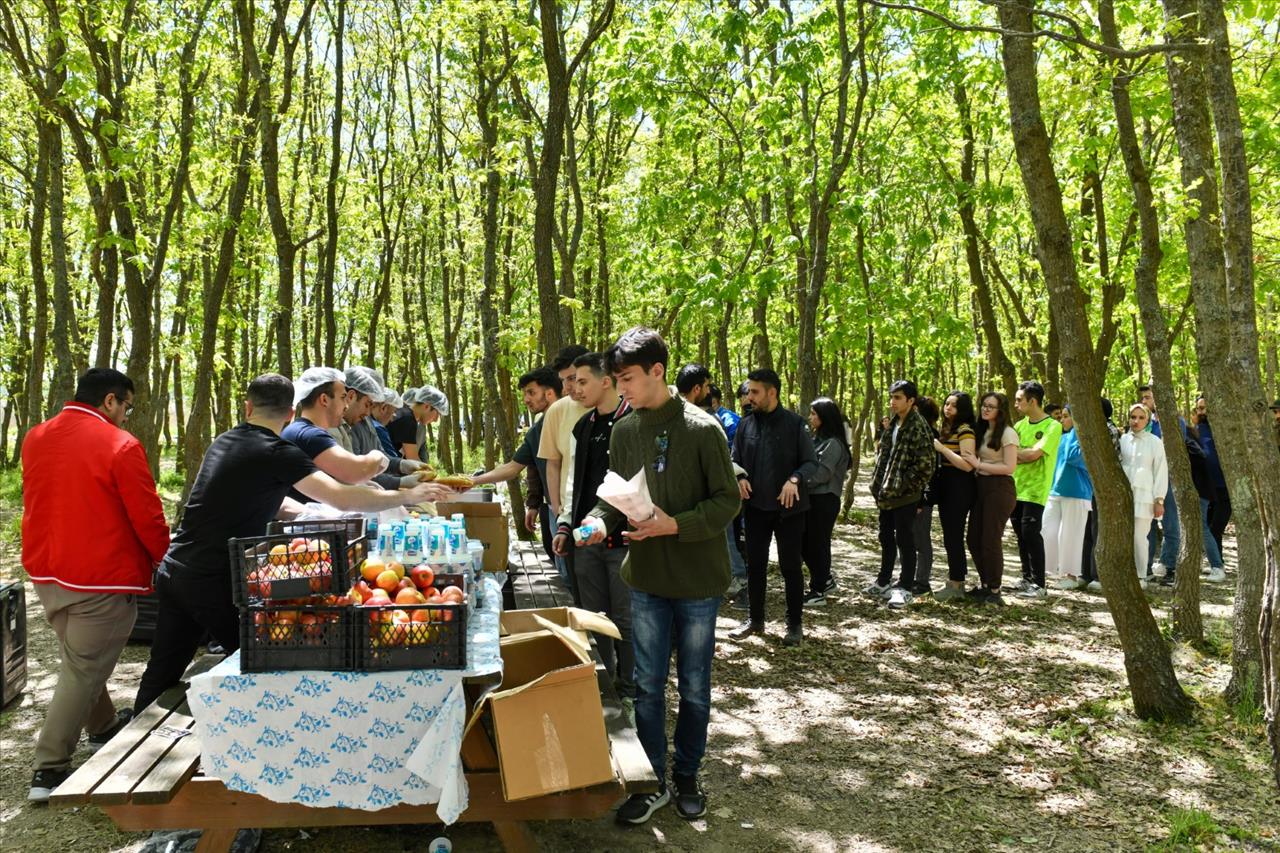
(434, 398)
(311, 379)
(361, 379)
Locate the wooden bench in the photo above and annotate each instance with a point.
(145, 780)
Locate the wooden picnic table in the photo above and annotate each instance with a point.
(146, 780)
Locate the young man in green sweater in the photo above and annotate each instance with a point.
(677, 565)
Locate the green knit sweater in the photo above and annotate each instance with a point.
(696, 486)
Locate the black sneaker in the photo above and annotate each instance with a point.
(691, 802)
(100, 739)
(640, 807)
(982, 595)
(794, 637)
(1167, 580)
(44, 782)
(920, 589)
(831, 585)
(815, 599)
(741, 601)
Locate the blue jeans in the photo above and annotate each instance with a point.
(1172, 536)
(1210, 544)
(694, 619)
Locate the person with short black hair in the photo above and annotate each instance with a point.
(539, 388)
(243, 483)
(776, 456)
(904, 465)
(676, 563)
(563, 365)
(555, 449)
(693, 382)
(744, 404)
(922, 528)
(322, 399)
(90, 539)
(737, 592)
(1038, 437)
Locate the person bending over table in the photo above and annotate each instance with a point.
(243, 483)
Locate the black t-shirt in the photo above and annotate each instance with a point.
(244, 477)
(594, 443)
(403, 429)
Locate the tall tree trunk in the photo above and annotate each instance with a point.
(1186, 595)
(1152, 681)
(329, 257)
(34, 394)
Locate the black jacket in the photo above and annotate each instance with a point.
(770, 448)
(584, 502)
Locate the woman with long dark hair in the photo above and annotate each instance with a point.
(825, 486)
(994, 463)
(954, 486)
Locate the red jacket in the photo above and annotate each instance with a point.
(91, 521)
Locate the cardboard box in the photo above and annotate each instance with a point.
(574, 618)
(548, 722)
(487, 523)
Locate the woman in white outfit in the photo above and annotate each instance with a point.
(1142, 456)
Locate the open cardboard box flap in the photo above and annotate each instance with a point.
(575, 618)
(477, 509)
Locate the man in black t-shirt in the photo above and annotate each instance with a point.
(426, 405)
(243, 481)
(597, 568)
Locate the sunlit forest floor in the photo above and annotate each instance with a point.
(939, 727)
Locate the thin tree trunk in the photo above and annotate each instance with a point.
(329, 257)
(34, 395)
(1152, 681)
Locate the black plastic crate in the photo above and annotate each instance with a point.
(434, 638)
(287, 566)
(353, 525)
(289, 637)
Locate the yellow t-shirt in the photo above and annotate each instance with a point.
(557, 439)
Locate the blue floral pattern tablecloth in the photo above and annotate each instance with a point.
(361, 740)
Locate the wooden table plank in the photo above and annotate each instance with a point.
(116, 787)
(169, 773)
(630, 761)
(205, 803)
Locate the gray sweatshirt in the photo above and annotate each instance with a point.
(832, 468)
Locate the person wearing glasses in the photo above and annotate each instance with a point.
(777, 456)
(993, 464)
(676, 565)
(90, 541)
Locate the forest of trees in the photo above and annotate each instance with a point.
(968, 193)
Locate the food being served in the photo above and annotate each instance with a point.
(456, 481)
(426, 474)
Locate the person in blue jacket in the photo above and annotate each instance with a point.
(1067, 511)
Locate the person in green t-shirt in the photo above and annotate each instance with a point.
(1038, 437)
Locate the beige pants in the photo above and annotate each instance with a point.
(92, 630)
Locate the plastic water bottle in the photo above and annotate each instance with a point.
(397, 540)
(386, 539)
(440, 845)
(435, 540)
(460, 521)
(371, 530)
(413, 542)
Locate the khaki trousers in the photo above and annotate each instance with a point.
(92, 630)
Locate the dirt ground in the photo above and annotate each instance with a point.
(941, 727)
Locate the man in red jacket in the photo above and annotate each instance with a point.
(90, 541)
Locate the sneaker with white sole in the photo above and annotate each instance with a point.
(1068, 583)
(44, 783)
(1017, 586)
(1094, 586)
(815, 599)
(1215, 576)
(99, 740)
(831, 585)
(875, 590)
(1033, 592)
(640, 807)
(899, 598)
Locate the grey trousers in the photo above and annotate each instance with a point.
(601, 590)
(92, 630)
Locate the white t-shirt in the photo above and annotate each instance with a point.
(986, 454)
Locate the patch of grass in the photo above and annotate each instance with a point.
(1217, 642)
(1248, 711)
(1189, 827)
(171, 481)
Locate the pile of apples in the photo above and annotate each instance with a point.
(283, 624)
(385, 584)
(302, 557)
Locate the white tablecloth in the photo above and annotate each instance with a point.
(361, 740)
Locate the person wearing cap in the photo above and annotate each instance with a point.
(243, 483)
(408, 429)
(320, 396)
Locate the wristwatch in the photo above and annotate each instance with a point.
(793, 479)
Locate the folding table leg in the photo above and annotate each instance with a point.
(216, 840)
(515, 836)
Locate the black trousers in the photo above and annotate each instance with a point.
(1088, 559)
(188, 608)
(823, 510)
(897, 539)
(1026, 520)
(762, 527)
(1219, 514)
(956, 493)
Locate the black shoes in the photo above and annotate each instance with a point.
(691, 802)
(741, 600)
(44, 782)
(794, 637)
(640, 807)
(99, 740)
(746, 629)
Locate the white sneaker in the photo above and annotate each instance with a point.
(1033, 592)
(1017, 586)
(876, 591)
(1068, 583)
(1215, 576)
(900, 598)
(1094, 586)
(1157, 570)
